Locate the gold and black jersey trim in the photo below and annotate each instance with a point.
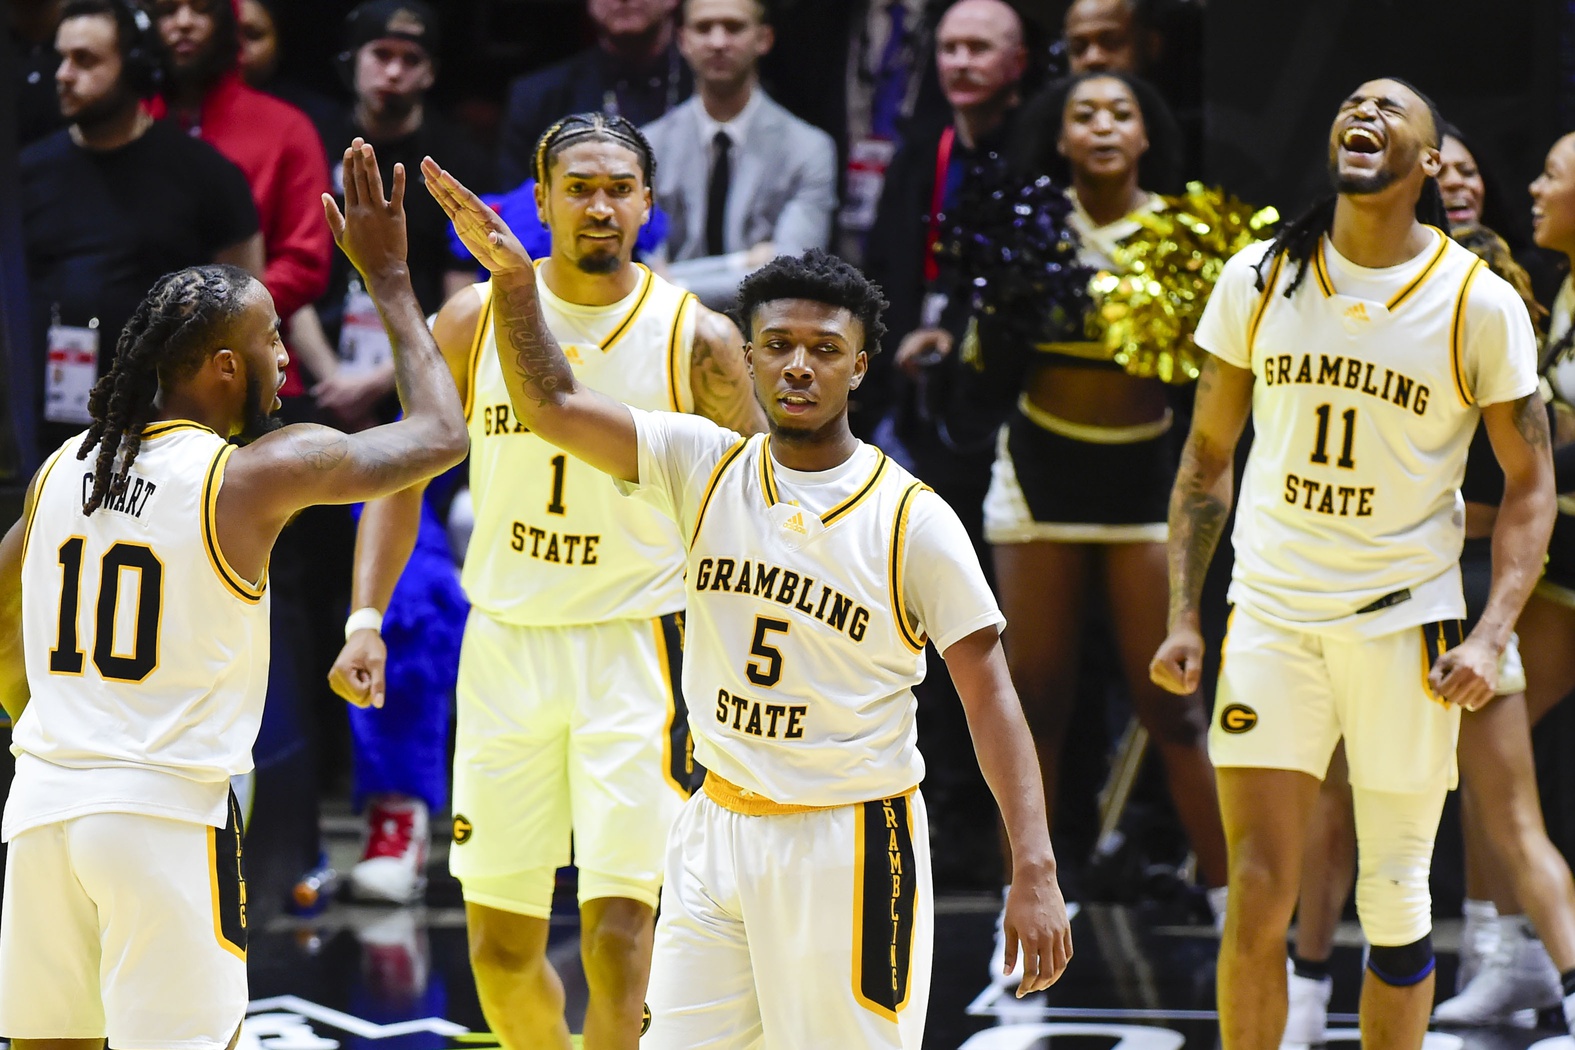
(885, 905)
(1326, 284)
(678, 749)
(166, 427)
(910, 634)
(769, 491)
(1321, 271)
(768, 475)
(1263, 302)
(1437, 639)
(675, 355)
(227, 883)
(38, 494)
(710, 486)
(1427, 271)
(623, 326)
(477, 342)
(234, 581)
(847, 506)
(1457, 336)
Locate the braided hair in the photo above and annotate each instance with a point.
(166, 339)
(593, 127)
(1299, 238)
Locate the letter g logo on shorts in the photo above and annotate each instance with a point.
(463, 829)
(1238, 718)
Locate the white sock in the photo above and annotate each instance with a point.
(1514, 928)
(1476, 911)
(1006, 891)
(1217, 897)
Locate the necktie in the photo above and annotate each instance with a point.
(716, 195)
(891, 76)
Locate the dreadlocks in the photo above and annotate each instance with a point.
(593, 127)
(166, 337)
(1299, 238)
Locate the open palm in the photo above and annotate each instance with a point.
(480, 228)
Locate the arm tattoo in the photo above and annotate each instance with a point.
(1531, 420)
(1197, 520)
(541, 372)
(323, 451)
(1198, 509)
(718, 378)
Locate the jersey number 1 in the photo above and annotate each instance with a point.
(1320, 453)
(559, 465)
(67, 656)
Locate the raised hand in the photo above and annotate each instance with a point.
(480, 228)
(371, 230)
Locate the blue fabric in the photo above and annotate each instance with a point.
(518, 209)
(403, 747)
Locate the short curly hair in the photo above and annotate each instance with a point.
(819, 277)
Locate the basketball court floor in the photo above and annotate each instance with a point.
(375, 978)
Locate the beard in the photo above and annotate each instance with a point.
(105, 110)
(600, 263)
(1361, 184)
(259, 419)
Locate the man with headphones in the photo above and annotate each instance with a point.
(111, 203)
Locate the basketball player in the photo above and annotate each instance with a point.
(797, 908)
(1366, 345)
(569, 713)
(134, 614)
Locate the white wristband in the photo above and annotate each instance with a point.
(367, 619)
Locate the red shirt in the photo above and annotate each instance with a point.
(279, 150)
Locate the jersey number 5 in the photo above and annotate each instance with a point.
(770, 672)
(67, 656)
(1320, 453)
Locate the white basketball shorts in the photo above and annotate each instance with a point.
(566, 731)
(125, 927)
(1286, 698)
(800, 931)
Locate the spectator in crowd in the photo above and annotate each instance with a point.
(1106, 35)
(390, 63)
(284, 166)
(742, 179)
(259, 64)
(862, 71)
(633, 70)
(112, 203)
(32, 29)
(981, 59)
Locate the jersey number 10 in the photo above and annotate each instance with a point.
(1320, 453)
(67, 656)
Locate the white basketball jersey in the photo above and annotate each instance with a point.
(1350, 512)
(801, 662)
(146, 653)
(554, 543)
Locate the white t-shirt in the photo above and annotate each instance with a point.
(811, 567)
(1369, 385)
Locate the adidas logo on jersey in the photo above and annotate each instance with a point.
(1355, 318)
(796, 524)
(572, 352)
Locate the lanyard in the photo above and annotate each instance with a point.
(943, 162)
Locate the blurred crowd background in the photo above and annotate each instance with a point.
(139, 136)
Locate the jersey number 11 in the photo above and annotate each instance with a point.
(1320, 453)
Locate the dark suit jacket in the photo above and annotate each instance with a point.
(580, 84)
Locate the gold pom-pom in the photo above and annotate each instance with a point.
(1145, 315)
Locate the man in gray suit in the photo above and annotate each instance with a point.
(742, 179)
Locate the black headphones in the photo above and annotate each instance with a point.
(141, 68)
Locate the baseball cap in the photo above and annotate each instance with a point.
(409, 20)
